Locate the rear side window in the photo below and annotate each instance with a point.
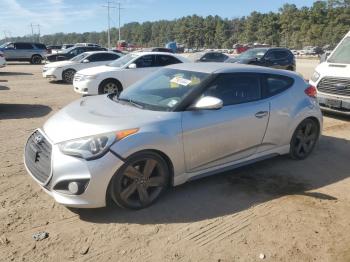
(276, 84)
(23, 46)
(235, 88)
(164, 60)
(102, 57)
(145, 61)
(40, 46)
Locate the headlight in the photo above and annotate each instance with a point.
(88, 77)
(315, 76)
(94, 146)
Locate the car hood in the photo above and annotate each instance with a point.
(98, 69)
(333, 70)
(97, 115)
(59, 64)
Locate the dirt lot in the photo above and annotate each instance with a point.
(287, 210)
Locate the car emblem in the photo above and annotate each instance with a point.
(340, 86)
(38, 139)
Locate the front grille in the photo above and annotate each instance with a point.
(38, 157)
(77, 77)
(335, 85)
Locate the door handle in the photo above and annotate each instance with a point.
(261, 114)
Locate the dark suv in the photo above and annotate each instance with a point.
(280, 58)
(24, 51)
(69, 53)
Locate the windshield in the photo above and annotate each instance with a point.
(163, 90)
(79, 58)
(123, 60)
(4, 45)
(341, 54)
(253, 53)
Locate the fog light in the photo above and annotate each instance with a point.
(73, 187)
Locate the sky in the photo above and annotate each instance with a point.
(90, 15)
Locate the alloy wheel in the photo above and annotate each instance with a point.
(110, 88)
(304, 139)
(140, 182)
(68, 76)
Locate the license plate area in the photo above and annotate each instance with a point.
(333, 103)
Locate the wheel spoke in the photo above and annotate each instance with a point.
(157, 181)
(132, 173)
(127, 192)
(143, 194)
(299, 148)
(308, 129)
(149, 167)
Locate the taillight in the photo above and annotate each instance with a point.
(311, 91)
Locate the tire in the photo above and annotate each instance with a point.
(68, 75)
(109, 86)
(304, 139)
(140, 181)
(36, 60)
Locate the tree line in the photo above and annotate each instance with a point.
(324, 23)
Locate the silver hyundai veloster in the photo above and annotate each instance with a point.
(181, 123)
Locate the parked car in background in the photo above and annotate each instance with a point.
(332, 79)
(158, 49)
(279, 58)
(66, 46)
(24, 51)
(53, 49)
(121, 73)
(72, 52)
(87, 44)
(183, 122)
(208, 57)
(65, 70)
(2, 60)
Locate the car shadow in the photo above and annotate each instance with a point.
(338, 116)
(234, 191)
(2, 88)
(15, 74)
(19, 111)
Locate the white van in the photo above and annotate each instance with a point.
(332, 79)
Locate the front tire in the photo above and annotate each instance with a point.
(304, 139)
(36, 60)
(68, 75)
(140, 181)
(110, 86)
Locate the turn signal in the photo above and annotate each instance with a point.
(122, 134)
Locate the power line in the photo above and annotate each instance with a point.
(108, 6)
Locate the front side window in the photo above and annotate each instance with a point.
(145, 61)
(341, 54)
(123, 60)
(164, 90)
(253, 53)
(235, 88)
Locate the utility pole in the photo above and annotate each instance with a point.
(31, 26)
(108, 6)
(38, 25)
(119, 8)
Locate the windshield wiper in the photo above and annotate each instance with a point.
(130, 101)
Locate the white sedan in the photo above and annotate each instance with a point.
(121, 73)
(2, 60)
(65, 70)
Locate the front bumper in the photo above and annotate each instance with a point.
(334, 103)
(86, 87)
(52, 74)
(97, 172)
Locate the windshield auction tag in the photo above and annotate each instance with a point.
(180, 81)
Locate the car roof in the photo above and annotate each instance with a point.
(217, 68)
(101, 51)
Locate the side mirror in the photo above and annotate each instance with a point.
(86, 61)
(208, 103)
(132, 66)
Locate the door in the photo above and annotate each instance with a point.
(277, 59)
(10, 52)
(216, 137)
(24, 50)
(145, 65)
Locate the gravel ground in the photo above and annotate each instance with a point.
(281, 209)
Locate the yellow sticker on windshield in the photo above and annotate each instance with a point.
(180, 81)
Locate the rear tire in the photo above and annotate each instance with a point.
(36, 60)
(304, 139)
(109, 86)
(68, 75)
(140, 181)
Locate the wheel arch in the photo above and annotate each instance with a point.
(110, 79)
